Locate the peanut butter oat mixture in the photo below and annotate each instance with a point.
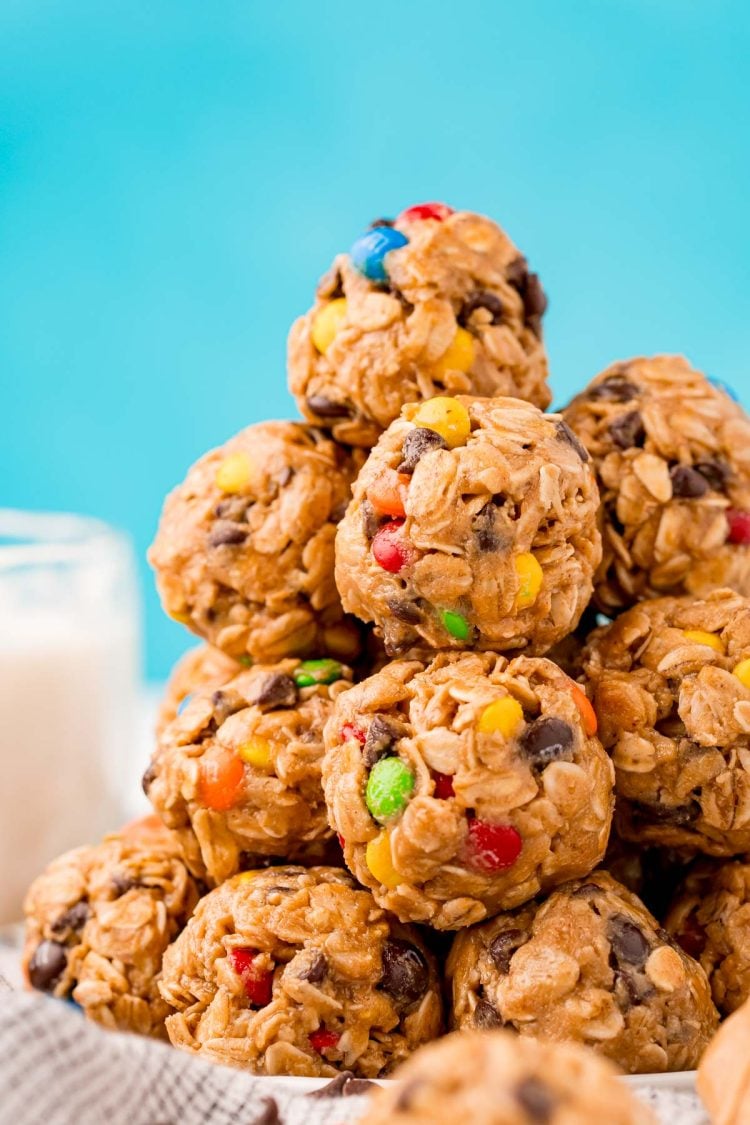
(200, 668)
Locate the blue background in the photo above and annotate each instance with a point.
(175, 176)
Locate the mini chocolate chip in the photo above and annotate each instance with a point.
(405, 303)
(628, 943)
(404, 611)
(275, 690)
(344, 1085)
(586, 891)
(370, 521)
(269, 1115)
(405, 974)
(326, 407)
(382, 223)
(226, 701)
(417, 442)
(149, 777)
(565, 433)
(615, 388)
(481, 299)
(667, 814)
(317, 969)
(485, 531)
(74, 918)
(534, 297)
(285, 476)
(516, 272)
(536, 1099)
(716, 473)
(227, 534)
(687, 482)
(486, 1015)
(330, 285)
(502, 948)
(47, 965)
(338, 513)
(627, 430)
(121, 884)
(547, 740)
(380, 738)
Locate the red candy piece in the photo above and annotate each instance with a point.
(437, 211)
(323, 1040)
(341, 840)
(389, 549)
(349, 730)
(493, 847)
(443, 786)
(258, 982)
(739, 527)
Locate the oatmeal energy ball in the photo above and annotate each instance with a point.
(199, 669)
(473, 525)
(710, 918)
(434, 302)
(672, 454)
(237, 774)
(670, 681)
(99, 919)
(244, 551)
(723, 1079)
(495, 1078)
(296, 971)
(588, 965)
(466, 786)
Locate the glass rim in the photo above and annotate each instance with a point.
(46, 538)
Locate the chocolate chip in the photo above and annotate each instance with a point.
(516, 272)
(667, 814)
(404, 611)
(47, 965)
(716, 473)
(370, 521)
(380, 738)
(338, 513)
(344, 1085)
(149, 777)
(417, 442)
(486, 1015)
(482, 299)
(627, 430)
(405, 974)
(536, 1099)
(381, 223)
(586, 891)
(269, 1115)
(687, 483)
(227, 534)
(534, 297)
(565, 433)
(121, 884)
(330, 285)
(74, 918)
(615, 388)
(316, 971)
(547, 740)
(405, 303)
(628, 943)
(275, 690)
(326, 407)
(234, 509)
(485, 531)
(502, 948)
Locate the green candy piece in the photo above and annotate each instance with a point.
(246, 661)
(389, 787)
(456, 625)
(317, 672)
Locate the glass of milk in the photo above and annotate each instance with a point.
(69, 671)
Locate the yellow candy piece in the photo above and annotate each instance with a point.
(458, 357)
(742, 672)
(183, 618)
(701, 637)
(256, 752)
(447, 417)
(502, 716)
(380, 862)
(530, 578)
(234, 472)
(247, 876)
(327, 322)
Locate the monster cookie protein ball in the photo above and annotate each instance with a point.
(237, 774)
(710, 918)
(433, 302)
(498, 1079)
(244, 551)
(467, 786)
(670, 680)
(672, 453)
(589, 965)
(296, 971)
(99, 919)
(199, 669)
(473, 525)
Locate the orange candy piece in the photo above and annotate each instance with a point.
(388, 492)
(588, 714)
(220, 782)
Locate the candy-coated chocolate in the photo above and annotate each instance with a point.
(458, 357)
(530, 578)
(220, 780)
(587, 712)
(701, 637)
(502, 716)
(323, 671)
(389, 549)
(256, 752)
(324, 1040)
(742, 672)
(456, 624)
(258, 982)
(234, 473)
(349, 730)
(387, 493)
(379, 861)
(739, 527)
(326, 324)
(422, 211)
(369, 251)
(389, 787)
(443, 786)
(447, 417)
(493, 847)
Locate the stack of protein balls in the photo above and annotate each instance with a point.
(451, 637)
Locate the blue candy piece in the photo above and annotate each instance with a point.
(725, 388)
(369, 251)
